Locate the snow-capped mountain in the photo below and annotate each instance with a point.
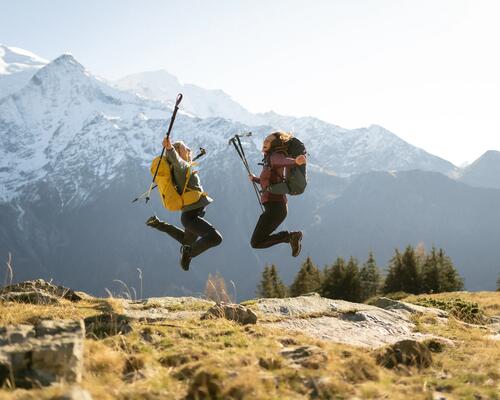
(484, 172)
(353, 151)
(204, 103)
(66, 119)
(17, 66)
(340, 150)
(74, 151)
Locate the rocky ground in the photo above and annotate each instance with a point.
(59, 344)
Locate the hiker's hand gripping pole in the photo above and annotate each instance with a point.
(176, 108)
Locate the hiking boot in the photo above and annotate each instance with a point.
(186, 256)
(153, 222)
(296, 242)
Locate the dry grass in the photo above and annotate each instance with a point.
(219, 359)
(17, 313)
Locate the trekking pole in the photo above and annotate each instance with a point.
(241, 154)
(172, 119)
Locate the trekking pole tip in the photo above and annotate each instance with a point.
(179, 99)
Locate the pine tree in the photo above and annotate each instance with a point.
(449, 278)
(271, 285)
(431, 277)
(279, 287)
(410, 277)
(392, 281)
(370, 278)
(351, 283)
(265, 288)
(420, 253)
(333, 280)
(308, 279)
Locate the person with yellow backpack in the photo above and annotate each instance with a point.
(180, 189)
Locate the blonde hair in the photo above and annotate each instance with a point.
(279, 139)
(177, 145)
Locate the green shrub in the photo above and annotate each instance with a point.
(463, 310)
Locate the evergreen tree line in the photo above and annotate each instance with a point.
(412, 271)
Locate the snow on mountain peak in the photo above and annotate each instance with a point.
(204, 103)
(17, 66)
(14, 59)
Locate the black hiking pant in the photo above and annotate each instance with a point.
(272, 217)
(198, 233)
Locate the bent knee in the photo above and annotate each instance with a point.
(216, 238)
(255, 244)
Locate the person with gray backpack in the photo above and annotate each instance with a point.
(283, 172)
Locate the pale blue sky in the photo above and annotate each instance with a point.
(427, 70)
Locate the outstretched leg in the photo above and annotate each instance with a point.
(178, 234)
(207, 235)
(272, 217)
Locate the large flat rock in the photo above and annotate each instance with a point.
(338, 321)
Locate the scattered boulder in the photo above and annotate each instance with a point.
(41, 354)
(232, 312)
(405, 352)
(37, 292)
(104, 325)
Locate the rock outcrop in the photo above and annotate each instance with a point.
(339, 321)
(233, 312)
(165, 308)
(37, 292)
(405, 352)
(41, 354)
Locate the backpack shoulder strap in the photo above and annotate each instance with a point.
(188, 175)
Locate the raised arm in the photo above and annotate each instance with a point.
(172, 155)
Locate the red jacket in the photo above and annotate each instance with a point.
(274, 171)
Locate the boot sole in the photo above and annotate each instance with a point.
(299, 243)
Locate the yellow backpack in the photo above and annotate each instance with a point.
(173, 200)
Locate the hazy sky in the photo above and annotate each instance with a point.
(428, 70)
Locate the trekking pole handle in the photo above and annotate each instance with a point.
(178, 99)
(200, 154)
